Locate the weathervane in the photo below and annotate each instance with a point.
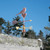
(24, 15)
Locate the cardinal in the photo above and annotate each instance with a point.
(14, 22)
(22, 12)
(24, 15)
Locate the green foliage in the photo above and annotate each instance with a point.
(19, 24)
(48, 38)
(16, 18)
(7, 28)
(40, 35)
(30, 34)
(1, 21)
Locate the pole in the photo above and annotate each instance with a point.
(24, 31)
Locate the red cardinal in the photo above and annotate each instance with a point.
(23, 11)
(24, 15)
(14, 22)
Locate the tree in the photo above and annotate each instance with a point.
(30, 34)
(1, 22)
(17, 23)
(7, 28)
(47, 38)
(40, 35)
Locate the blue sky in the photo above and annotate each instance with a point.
(37, 11)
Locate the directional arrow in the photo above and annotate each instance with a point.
(24, 27)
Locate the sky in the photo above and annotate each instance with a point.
(37, 11)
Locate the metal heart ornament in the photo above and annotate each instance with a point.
(24, 15)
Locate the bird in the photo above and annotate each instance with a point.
(14, 22)
(22, 12)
